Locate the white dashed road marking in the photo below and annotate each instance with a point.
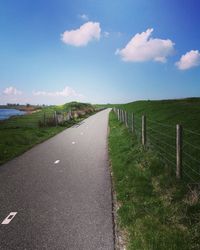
(8, 219)
(81, 133)
(73, 142)
(56, 162)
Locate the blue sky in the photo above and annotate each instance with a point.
(46, 57)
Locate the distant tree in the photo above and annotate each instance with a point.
(11, 104)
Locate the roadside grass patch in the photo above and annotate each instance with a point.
(15, 141)
(20, 133)
(154, 208)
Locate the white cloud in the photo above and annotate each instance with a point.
(106, 34)
(189, 60)
(82, 36)
(66, 92)
(144, 48)
(84, 17)
(12, 91)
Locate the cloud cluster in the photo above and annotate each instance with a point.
(66, 92)
(144, 48)
(12, 91)
(82, 36)
(189, 60)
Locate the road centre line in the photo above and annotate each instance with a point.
(8, 219)
(56, 162)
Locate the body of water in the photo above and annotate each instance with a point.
(6, 113)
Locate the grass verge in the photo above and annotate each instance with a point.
(16, 140)
(155, 210)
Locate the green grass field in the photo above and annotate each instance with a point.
(15, 141)
(171, 112)
(155, 210)
(162, 117)
(19, 134)
(156, 169)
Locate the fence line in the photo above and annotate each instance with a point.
(38, 119)
(43, 118)
(170, 142)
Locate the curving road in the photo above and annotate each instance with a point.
(60, 191)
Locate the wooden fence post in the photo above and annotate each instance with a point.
(44, 119)
(179, 134)
(126, 119)
(55, 117)
(70, 114)
(144, 130)
(132, 123)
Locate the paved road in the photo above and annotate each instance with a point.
(66, 205)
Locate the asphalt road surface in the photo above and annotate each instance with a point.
(60, 191)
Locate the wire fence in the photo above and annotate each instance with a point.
(41, 118)
(177, 147)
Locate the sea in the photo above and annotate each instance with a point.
(7, 113)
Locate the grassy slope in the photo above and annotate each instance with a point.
(157, 212)
(162, 137)
(15, 141)
(183, 111)
(19, 134)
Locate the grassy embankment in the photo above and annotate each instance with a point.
(162, 117)
(19, 134)
(156, 211)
